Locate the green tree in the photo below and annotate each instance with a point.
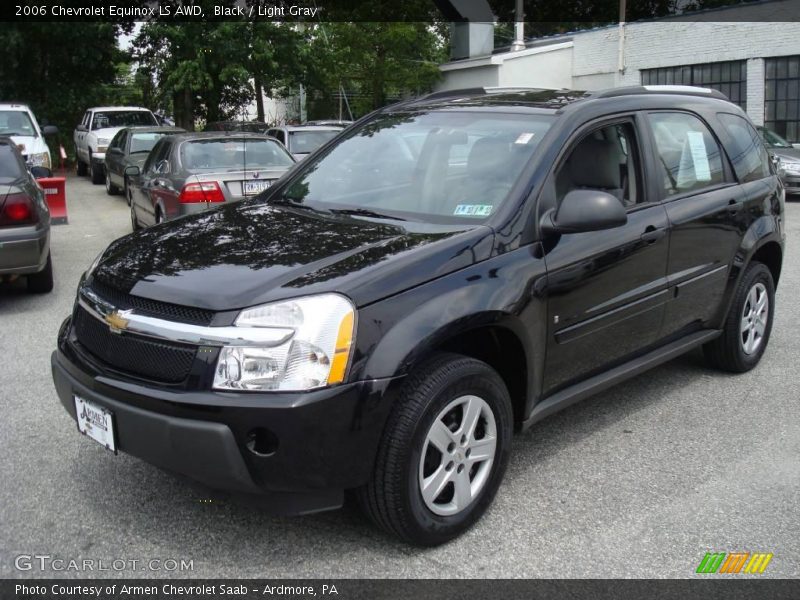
(59, 69)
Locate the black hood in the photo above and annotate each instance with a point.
(250, 253)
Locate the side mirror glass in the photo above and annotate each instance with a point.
(41, 172)
(132, 171)
(585, 210)
(81, 127)
(49, 130)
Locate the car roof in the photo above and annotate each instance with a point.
(113, 108)
(209, 135)
(17, 105)
(155, 129)
(538, 100)
(310, 127)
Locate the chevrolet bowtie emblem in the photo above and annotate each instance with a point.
(117, 321)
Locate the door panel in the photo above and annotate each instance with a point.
(606, 295)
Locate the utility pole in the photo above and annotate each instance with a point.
(519, 28)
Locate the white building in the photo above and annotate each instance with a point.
(751, 53)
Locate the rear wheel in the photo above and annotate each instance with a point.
(443, 454)
(42, 282)
(747, 329)
(95, 171)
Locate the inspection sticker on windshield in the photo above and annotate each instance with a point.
(473, 210)
(524, 138)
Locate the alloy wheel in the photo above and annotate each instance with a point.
(457, 455)
(755, 315)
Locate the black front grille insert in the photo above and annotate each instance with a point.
(152, 308)
(150, 359)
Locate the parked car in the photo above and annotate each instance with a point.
(192, 172)
(94, 133)
(786, 157)
(251, 126)
(302, 140)
(130, 147)
(381, 321)
(24, 221)
(18, 122)
(335, 122)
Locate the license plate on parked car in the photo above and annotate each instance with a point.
(95, 422)
(255, 186)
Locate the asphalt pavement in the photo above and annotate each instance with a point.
(639, 481)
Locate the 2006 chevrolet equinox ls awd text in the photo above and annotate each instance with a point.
(446, 270)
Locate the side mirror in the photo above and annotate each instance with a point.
(585, 210)
(81, 127)
(132, 171)
(41, 172)
(49, 130)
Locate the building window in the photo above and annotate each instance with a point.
(782, 96)
(729, 77)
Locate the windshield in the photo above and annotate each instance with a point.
(123, 118)
(774, 140)
(16, 122)
(444, 167)
(9, 164)
(233, 154)
(305, 142)
(144, 142)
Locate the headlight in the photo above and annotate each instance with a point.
(316, 352)
(41, 159)
(103, 141)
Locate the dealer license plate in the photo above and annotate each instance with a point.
(95, 422)
(255, 186)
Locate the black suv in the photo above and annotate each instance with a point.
(446, 270)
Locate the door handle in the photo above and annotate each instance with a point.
(734, 206)
(653, 234)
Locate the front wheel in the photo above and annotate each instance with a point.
(80, 166)
(444, 452)
(95, 171)
(134, 220)
(747, 329)
(111, 188)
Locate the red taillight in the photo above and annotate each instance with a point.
(18, 209)
(208, 191)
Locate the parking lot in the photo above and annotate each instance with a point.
(640, 481)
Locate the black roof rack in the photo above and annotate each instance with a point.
(684, 90)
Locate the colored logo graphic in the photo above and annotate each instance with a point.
(734, 562)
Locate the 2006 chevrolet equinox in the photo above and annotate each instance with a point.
(445, 271)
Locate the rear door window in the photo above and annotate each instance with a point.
(746, 150)
(689, 156)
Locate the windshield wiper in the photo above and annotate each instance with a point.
(364, 212)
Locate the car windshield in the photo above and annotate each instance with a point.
(232, 154)
(16, 122)
(305, 142)
(123, 118)
(9, 164)
(442, 167)
(144, 141)
(773, 140)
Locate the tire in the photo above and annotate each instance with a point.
(80, 165)
(747, 328)
(445, 390)
(95, 171)
(42, 282)
(159, 216)
(134, 221)
(111, 189)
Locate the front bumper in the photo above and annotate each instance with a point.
(326, 439)
(791, 183)
(23, 250)
(99, 157)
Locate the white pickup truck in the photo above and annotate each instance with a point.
(94, 133)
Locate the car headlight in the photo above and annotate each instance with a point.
(42, 159)
(314, 353)
(103, 141)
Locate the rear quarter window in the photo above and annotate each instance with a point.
(10, 167)
(745, 148)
